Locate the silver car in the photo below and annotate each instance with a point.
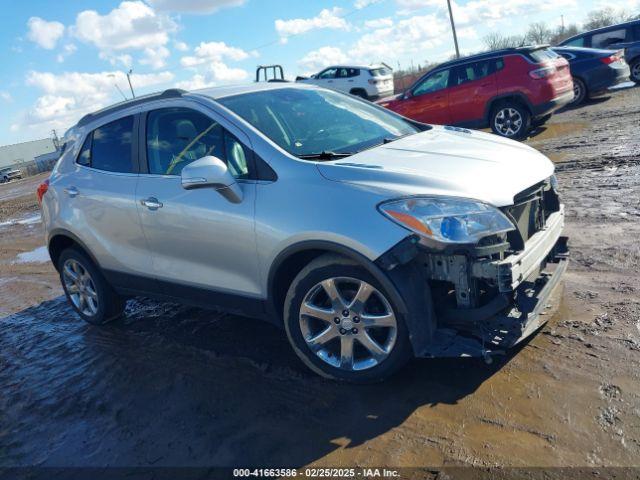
(368, 237)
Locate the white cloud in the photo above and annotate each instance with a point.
(68, 49)
(379, 23)
(6, 96)
(360, 4)
(329, 19)
(156, 58)
(196, 82)
(68, 96)
(133, 25)
(213, 52)
(181, 46)
(45, 34)
(316, 60)
(209, 62)
(194, 6)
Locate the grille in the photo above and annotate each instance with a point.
(530, 211)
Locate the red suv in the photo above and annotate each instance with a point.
(509, 90)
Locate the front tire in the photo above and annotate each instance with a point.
(343, 324)
(510, 120)
(87, 290)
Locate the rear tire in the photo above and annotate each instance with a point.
(579, 92)
(345, 339)
(510, 120)
(87, 290)
(635, 71)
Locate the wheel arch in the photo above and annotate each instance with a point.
(503, 98)
(60, 240)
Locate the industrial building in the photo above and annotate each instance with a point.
(24, 155)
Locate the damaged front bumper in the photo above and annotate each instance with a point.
(487, 303)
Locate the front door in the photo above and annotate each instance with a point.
(200, 241)
(428, 101)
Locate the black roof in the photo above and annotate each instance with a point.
(491, 54)
(171, 93)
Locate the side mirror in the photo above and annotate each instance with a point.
(211, 172)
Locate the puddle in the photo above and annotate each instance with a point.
(39, 255)
(30, 220)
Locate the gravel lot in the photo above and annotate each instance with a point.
(178, 386)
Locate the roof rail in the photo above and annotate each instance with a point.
(170, 93)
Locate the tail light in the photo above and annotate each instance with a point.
(543, 72)
(616, 57)
(42, 189)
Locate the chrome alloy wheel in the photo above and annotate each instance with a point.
(348, 323)
(508, 121)
(577, 92)
(80, 287)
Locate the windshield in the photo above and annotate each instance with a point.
(307, 122)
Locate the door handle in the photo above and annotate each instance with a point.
(71, 191)
(151, 203)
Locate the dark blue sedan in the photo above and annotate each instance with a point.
(594, 70)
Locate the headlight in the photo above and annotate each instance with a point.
(446, 219)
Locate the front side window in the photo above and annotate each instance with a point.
(433, 83)
(109, 147)
(308, 122)
(605, 39)
(328, 73)
(576, 42)
(179, 136)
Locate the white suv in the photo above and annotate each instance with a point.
(369, 82)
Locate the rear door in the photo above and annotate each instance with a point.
(343, 80)
(100, 195)
(199, 240)
(472, 86)
(428, 101)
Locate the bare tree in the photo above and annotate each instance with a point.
(538, 33)
(605, 17)
(561, 34)
(496, 41)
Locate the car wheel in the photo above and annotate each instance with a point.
(87, 290)
(579, 92)
(510, 120)
(342, 323)
(358, 92)
(635, 71)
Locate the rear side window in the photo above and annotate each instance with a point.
(606, 39)
(473, 71)
(379, 72)
(109, 147)
(347, 72)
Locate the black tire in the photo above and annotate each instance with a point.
(110, 305)
(541, 121)
(331, 266)
(580, 92)
(499, 120)
(635, 71)
(358, 92)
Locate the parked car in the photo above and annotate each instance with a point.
(508, 90)
(8, 174)
(368, 237)
(615, 37)
(369, 82)
(593, 71)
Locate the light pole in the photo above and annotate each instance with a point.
(129, 79)
(453, 29)
(111, 75)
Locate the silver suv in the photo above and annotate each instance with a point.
(369, 237)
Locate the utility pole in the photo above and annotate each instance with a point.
(453, 29)
(129, 79)
(115, 84)
(562, 24)
(55, 139)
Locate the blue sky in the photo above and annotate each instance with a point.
(63, 59)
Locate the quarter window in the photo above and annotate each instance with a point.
(179, 136)
(433, 83)
(109, 147)
(605, 39)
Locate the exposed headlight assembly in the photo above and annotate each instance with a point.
(447, 219)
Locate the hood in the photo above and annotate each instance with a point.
(445, 161)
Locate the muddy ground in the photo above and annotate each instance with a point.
(178, 386)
